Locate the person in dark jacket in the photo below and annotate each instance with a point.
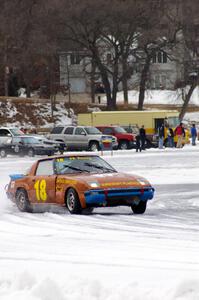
(193, 134)
(138, 143)
(161, 136)
(142, 137)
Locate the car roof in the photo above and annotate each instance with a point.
(74, 126)
(4, 127)
(23, 136)
(68, 155)
(109, 126)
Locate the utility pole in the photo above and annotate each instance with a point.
(68, 85)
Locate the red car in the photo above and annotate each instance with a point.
(79, 182)
(125, 140)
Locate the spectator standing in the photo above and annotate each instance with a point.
(170, 135)
(142, 137)
(180, 132)
(193, 134)
(138, 143)
(161, 136)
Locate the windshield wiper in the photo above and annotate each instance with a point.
(100, 167)
(75, 169)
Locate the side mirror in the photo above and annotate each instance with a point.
(83, 133)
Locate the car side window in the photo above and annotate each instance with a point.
(108, 131)
(79, 130)
(57, 130)
(45, 167)
(68, 130)
(4, 132)
(16, 140)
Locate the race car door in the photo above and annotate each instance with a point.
(42, 185)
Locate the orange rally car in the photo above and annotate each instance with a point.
(79, 182)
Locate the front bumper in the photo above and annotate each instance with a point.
(117, 196)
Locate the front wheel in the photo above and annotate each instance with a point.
(139, 208)
(3, 153)
(123, 145)
(22, 201)
(94, 146)
(72, 202)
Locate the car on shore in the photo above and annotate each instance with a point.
(81, 137)
(125, 140)
(7, 132)
(26, 145)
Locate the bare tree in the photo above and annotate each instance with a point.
(190, 38)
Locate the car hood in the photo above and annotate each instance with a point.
(112, 180)
(41, 145)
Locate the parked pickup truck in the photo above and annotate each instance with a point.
(8, 132)
(125, 140)
(80, 137)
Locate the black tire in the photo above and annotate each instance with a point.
(94, 146)
(88, 210)
(139, 208)
(31, 152)
(3, 153)
(22, 201)
(72, 202)
(123, 145)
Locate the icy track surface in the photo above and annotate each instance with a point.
(111, 254)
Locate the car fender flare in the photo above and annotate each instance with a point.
(23, 186)
(80, 195)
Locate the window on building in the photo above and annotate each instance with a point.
(160, 57)
(159, 82)
(108, 58)
(75, 58)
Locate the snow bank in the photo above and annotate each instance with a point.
(26, 287)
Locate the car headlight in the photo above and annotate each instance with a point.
(94, 184)
(142, 182)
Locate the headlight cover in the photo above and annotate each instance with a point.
(94, 184)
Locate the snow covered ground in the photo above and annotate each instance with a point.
(169, 97)
(111, 254)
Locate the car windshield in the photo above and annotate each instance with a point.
(81, 164)
(30, 140)
(120, 130)
(92, 130)
(16, 131)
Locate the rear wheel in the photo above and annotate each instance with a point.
(22, 201)
(3, 153)
(123, 145)
(94, 146)
(139, 208)
(72, 202)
